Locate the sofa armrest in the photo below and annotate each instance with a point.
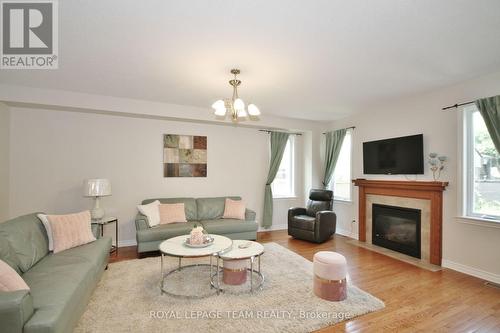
(326, 224)
(250, 215)
(294, 211)
(141, 222)
(16, 308)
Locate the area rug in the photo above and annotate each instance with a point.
(128, 299)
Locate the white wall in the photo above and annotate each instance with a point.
(53, 151)
(4, 161)
(474, 249)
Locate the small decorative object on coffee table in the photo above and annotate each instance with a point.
(236, 261)
(108, 220)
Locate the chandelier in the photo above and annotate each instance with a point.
(235, 105)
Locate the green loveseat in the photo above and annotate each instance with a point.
(61, 284)
(201, 211)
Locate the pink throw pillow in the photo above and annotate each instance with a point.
(234, 209)
(171, 213)
(10, 280)
(71, 230)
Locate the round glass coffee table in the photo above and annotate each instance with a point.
(175, 247)
(241, 251)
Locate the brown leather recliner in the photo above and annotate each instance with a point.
(317, 222)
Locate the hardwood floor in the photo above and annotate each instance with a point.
(416, 300)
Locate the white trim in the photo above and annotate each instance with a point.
(346, 233)
(479, 221)
(127, 242)
(341, 201)
(274, 227)
(479, 273)
(294, 197)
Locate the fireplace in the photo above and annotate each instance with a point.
(397, 228)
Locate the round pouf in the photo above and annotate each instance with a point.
(235, 272)
(330, 271)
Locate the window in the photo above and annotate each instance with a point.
(283, 184)
(482, 169)
(341, 180)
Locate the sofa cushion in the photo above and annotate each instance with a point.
(61, 282)
(165, 231)
(171, 213)
(71, 230)
(27, 237)
(234, 209)
(212, 208)
(189, 205)
(151, 211)
(8, 255)
(228, 226)
(303, 222)
(10, 280)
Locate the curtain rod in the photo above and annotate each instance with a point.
(352, 127)
(457, 105)
(269, 131)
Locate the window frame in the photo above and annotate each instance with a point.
(292, 194)
(332, 182)
(468, 170)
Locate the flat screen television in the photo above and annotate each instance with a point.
(403, 155)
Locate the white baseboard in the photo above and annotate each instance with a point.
(274, 227)
(479, 273)
(346, 233)
(127, 242)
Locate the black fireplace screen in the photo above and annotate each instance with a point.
(396, 228)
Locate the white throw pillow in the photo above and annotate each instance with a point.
(48, 229)
(152, 212)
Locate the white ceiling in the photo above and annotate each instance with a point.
(317, 60)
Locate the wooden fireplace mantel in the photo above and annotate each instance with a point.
(427, 190)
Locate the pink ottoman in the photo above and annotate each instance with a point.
(235, 272)
(330, 271)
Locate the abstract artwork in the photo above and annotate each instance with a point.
(184, 156)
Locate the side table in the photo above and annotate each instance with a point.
(108, 220)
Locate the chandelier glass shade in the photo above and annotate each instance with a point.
(235, 106)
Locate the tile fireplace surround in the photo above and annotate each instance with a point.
(424, 195)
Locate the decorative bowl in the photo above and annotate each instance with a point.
(206, 242)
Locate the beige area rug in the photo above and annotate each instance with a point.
(128, 299)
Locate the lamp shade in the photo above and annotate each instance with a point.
(96, 187)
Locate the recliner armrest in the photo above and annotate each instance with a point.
(294, 211)
(16, 308)
(250, 215)
(326, 223)
(141, 222)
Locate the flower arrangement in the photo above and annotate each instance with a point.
(436, 163)
(197, 236)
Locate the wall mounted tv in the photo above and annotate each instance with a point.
(404, 155)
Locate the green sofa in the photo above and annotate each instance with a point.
(61, 284)
(201, 211)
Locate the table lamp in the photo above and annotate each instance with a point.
(96, 188)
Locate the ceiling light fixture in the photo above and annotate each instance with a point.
(235, 105)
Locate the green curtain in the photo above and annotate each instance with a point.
(278, 145)
(490, 110)
(333, 144)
